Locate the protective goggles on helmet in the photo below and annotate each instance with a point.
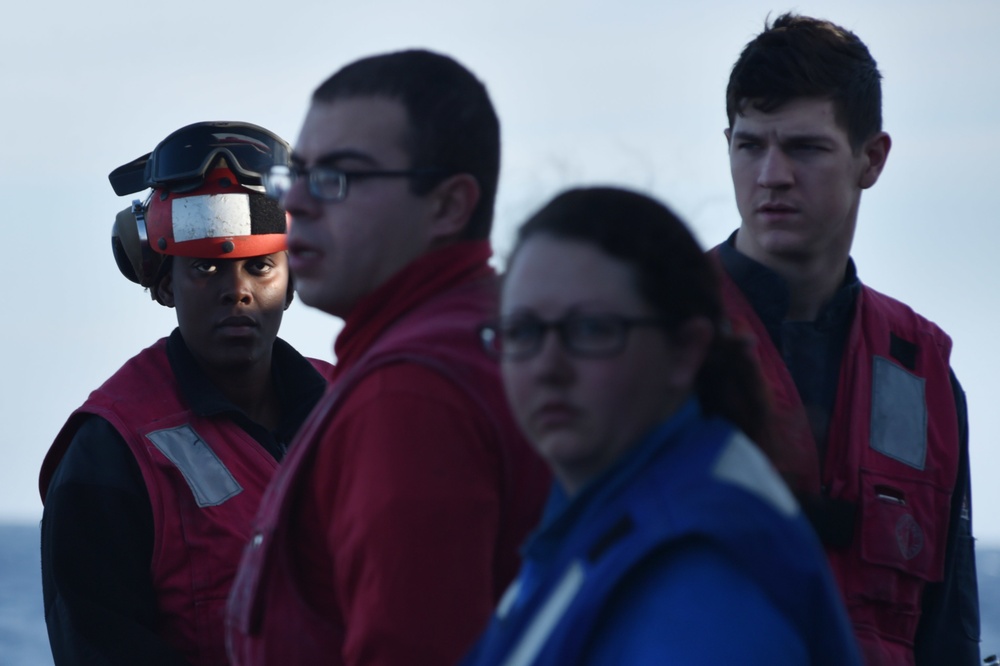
(181, 160)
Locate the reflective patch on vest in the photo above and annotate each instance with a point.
(742, 464)
(909, 536)
(210, 481)
(899, 414)
(508, 599)
(537, 633)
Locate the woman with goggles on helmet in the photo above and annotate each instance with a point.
(150, 487)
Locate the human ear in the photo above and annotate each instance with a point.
(690, 341)
(164, 293)
(454, 200)
(875, 152)
(729, 136)
(290, 289)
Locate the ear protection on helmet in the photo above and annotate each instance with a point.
(135, 259)
(219, 219)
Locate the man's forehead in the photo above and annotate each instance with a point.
(802, 115)
(372, 126)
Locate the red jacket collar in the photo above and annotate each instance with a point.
(423, 278)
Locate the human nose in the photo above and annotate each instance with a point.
(775, 169)
(239, 287)
(552, 361)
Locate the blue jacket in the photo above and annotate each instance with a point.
(690, 550)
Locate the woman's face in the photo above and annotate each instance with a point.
(583, 413)
(228, 310)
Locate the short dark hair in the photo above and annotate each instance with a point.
(453, 125)
(672, 275)
(799, 56)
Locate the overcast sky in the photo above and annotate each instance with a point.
(630, 93)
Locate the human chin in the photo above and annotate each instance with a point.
(310, 290)
(564, 448)
(786, 242)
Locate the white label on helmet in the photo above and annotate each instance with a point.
(211, 216)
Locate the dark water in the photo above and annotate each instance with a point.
(23, 641)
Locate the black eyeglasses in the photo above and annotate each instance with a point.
(519, 337)
(327, 183)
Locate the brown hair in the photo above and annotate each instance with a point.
(453, 126)
(676, 278)
(799, 56)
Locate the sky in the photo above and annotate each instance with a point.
(586, 94)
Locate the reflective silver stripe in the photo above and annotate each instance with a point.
(742, 464)
(534, 637)
(508, 599)
(210, 481)
(210, 216)
(899, 413)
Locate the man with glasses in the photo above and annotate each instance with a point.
(392, 529)
(874, 419)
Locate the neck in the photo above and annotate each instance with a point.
(810, 290)
(252, 390)
(812, 280)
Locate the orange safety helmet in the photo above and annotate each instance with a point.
(221, 218)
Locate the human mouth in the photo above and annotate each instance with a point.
(776, 211)
(302, 258)
(237, 325)
(553, 415)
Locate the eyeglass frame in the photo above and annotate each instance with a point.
(490, 331)
(294, 173)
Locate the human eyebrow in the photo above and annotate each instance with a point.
(799, 140)
(744, 135)
(332, 159)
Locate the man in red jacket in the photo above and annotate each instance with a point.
(874, 419)
(392, 529)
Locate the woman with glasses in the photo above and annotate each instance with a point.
(668, 538)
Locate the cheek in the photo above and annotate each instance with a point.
(604, 392)
(189, 304)
(626, 398)
(517, 387)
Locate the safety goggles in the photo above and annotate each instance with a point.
(182, 159)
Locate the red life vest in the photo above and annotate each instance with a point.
(267, 594)
(205, 478)
(893, 452)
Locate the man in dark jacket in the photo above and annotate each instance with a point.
(873, 419)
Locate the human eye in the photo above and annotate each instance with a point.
(519, 329)
(328, 180)
(807, 148)
(205, 267)
(260, 265)
(592, 332)
(520, 333)
(748, 145)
